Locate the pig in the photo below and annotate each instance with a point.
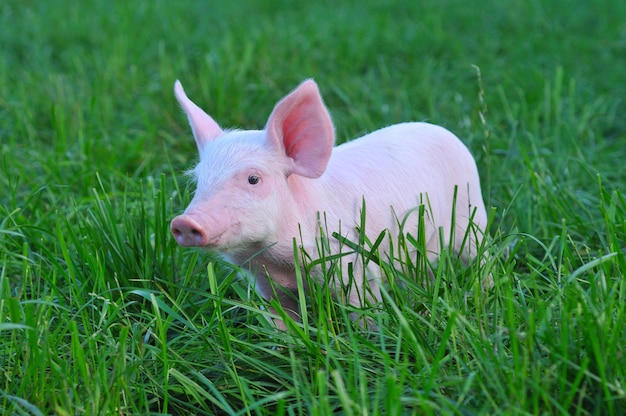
(258, 190)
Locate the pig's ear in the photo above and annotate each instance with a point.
(203, 126)
(301, 126)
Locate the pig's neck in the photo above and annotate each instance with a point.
(310, 199)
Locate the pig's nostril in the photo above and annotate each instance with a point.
(196, 233)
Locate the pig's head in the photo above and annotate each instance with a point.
(245, 179)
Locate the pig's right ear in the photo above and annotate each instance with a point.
(203, 126)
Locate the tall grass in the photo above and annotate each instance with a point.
(101, 312)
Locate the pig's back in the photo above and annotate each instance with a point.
(414, 156)
(404, 166)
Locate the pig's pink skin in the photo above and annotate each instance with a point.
(394, 169)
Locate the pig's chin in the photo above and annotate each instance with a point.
(243, 250)
(237, 244)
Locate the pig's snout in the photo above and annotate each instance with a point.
(188, 233)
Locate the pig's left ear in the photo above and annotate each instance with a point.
(301, 126)
(203, 126)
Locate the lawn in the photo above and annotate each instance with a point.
(102, 313)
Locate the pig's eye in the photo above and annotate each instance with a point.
(253, 179)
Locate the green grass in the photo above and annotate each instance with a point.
(102, 313)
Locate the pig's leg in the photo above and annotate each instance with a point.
(469, 236)
(285, 297)
(364, 290)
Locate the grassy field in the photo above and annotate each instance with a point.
(102, 313)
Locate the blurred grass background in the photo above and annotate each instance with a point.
(100, 312)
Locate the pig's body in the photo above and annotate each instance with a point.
(302, 179)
